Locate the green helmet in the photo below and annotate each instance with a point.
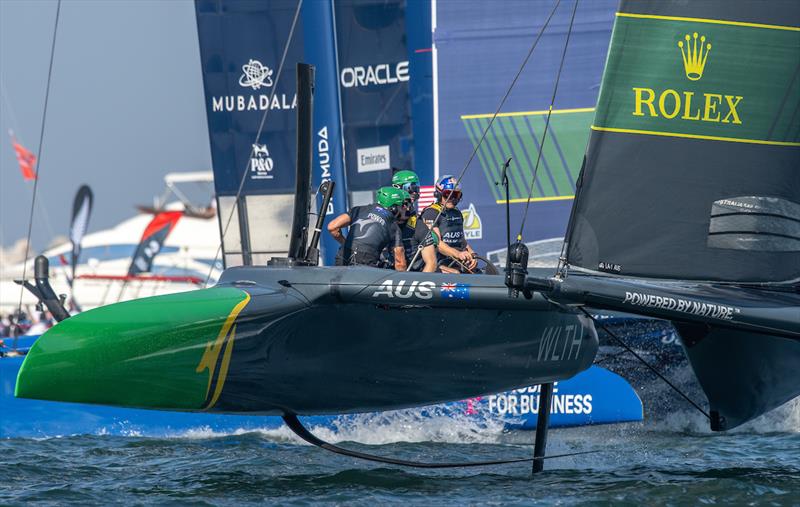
(401, 178)
(390, 196)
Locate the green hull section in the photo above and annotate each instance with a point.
(161, 352)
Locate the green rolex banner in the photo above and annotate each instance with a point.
(702, 78)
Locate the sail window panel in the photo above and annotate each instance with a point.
(270, 220)
(233, 260)
(362, 197)
(231, 241)
(261, 259)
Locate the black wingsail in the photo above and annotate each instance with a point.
(688, 206)
(692, 167)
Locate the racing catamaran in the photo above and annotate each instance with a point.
(692, 236)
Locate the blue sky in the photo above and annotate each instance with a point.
(126, 107)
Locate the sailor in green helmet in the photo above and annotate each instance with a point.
(426, 259)
(408, 181)
(373, 229)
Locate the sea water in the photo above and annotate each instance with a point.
(672, 461)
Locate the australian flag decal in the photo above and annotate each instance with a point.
(455, 291)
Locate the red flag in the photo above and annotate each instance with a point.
(26, 159)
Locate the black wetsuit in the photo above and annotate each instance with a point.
(373, 228)
(450, 224)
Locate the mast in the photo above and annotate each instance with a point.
(320, 41)
(298, 238)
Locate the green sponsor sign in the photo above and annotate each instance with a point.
(519, 135)
(705, 79)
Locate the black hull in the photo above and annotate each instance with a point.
(350, 358)
(369, 342)
(743, 374)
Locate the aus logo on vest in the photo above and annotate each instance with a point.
(473, 228)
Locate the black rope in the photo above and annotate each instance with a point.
(258, 136)
(15, 322)
(547, 121)
(301, 431)
(491, 121)
(644, 362)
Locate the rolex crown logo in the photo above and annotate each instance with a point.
(694, 55)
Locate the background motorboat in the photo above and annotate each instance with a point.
(185, 261)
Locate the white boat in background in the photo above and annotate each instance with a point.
(186, 261)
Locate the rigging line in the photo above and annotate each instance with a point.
(301, 431)
(547, 121)
(491, 121)
(258, 136)
(644, 362)
(38, 167)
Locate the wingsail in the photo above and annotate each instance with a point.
(384, 100)
(241, 45)
(688, 206)
(379, 69)
(691, 170)
(364, 53)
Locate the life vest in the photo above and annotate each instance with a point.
(372, 229)
(450, 223)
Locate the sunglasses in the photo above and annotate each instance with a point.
(411, 188)
(452, 195)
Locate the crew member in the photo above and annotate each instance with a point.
(373, 228)
(445, 221)
(425, 260)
